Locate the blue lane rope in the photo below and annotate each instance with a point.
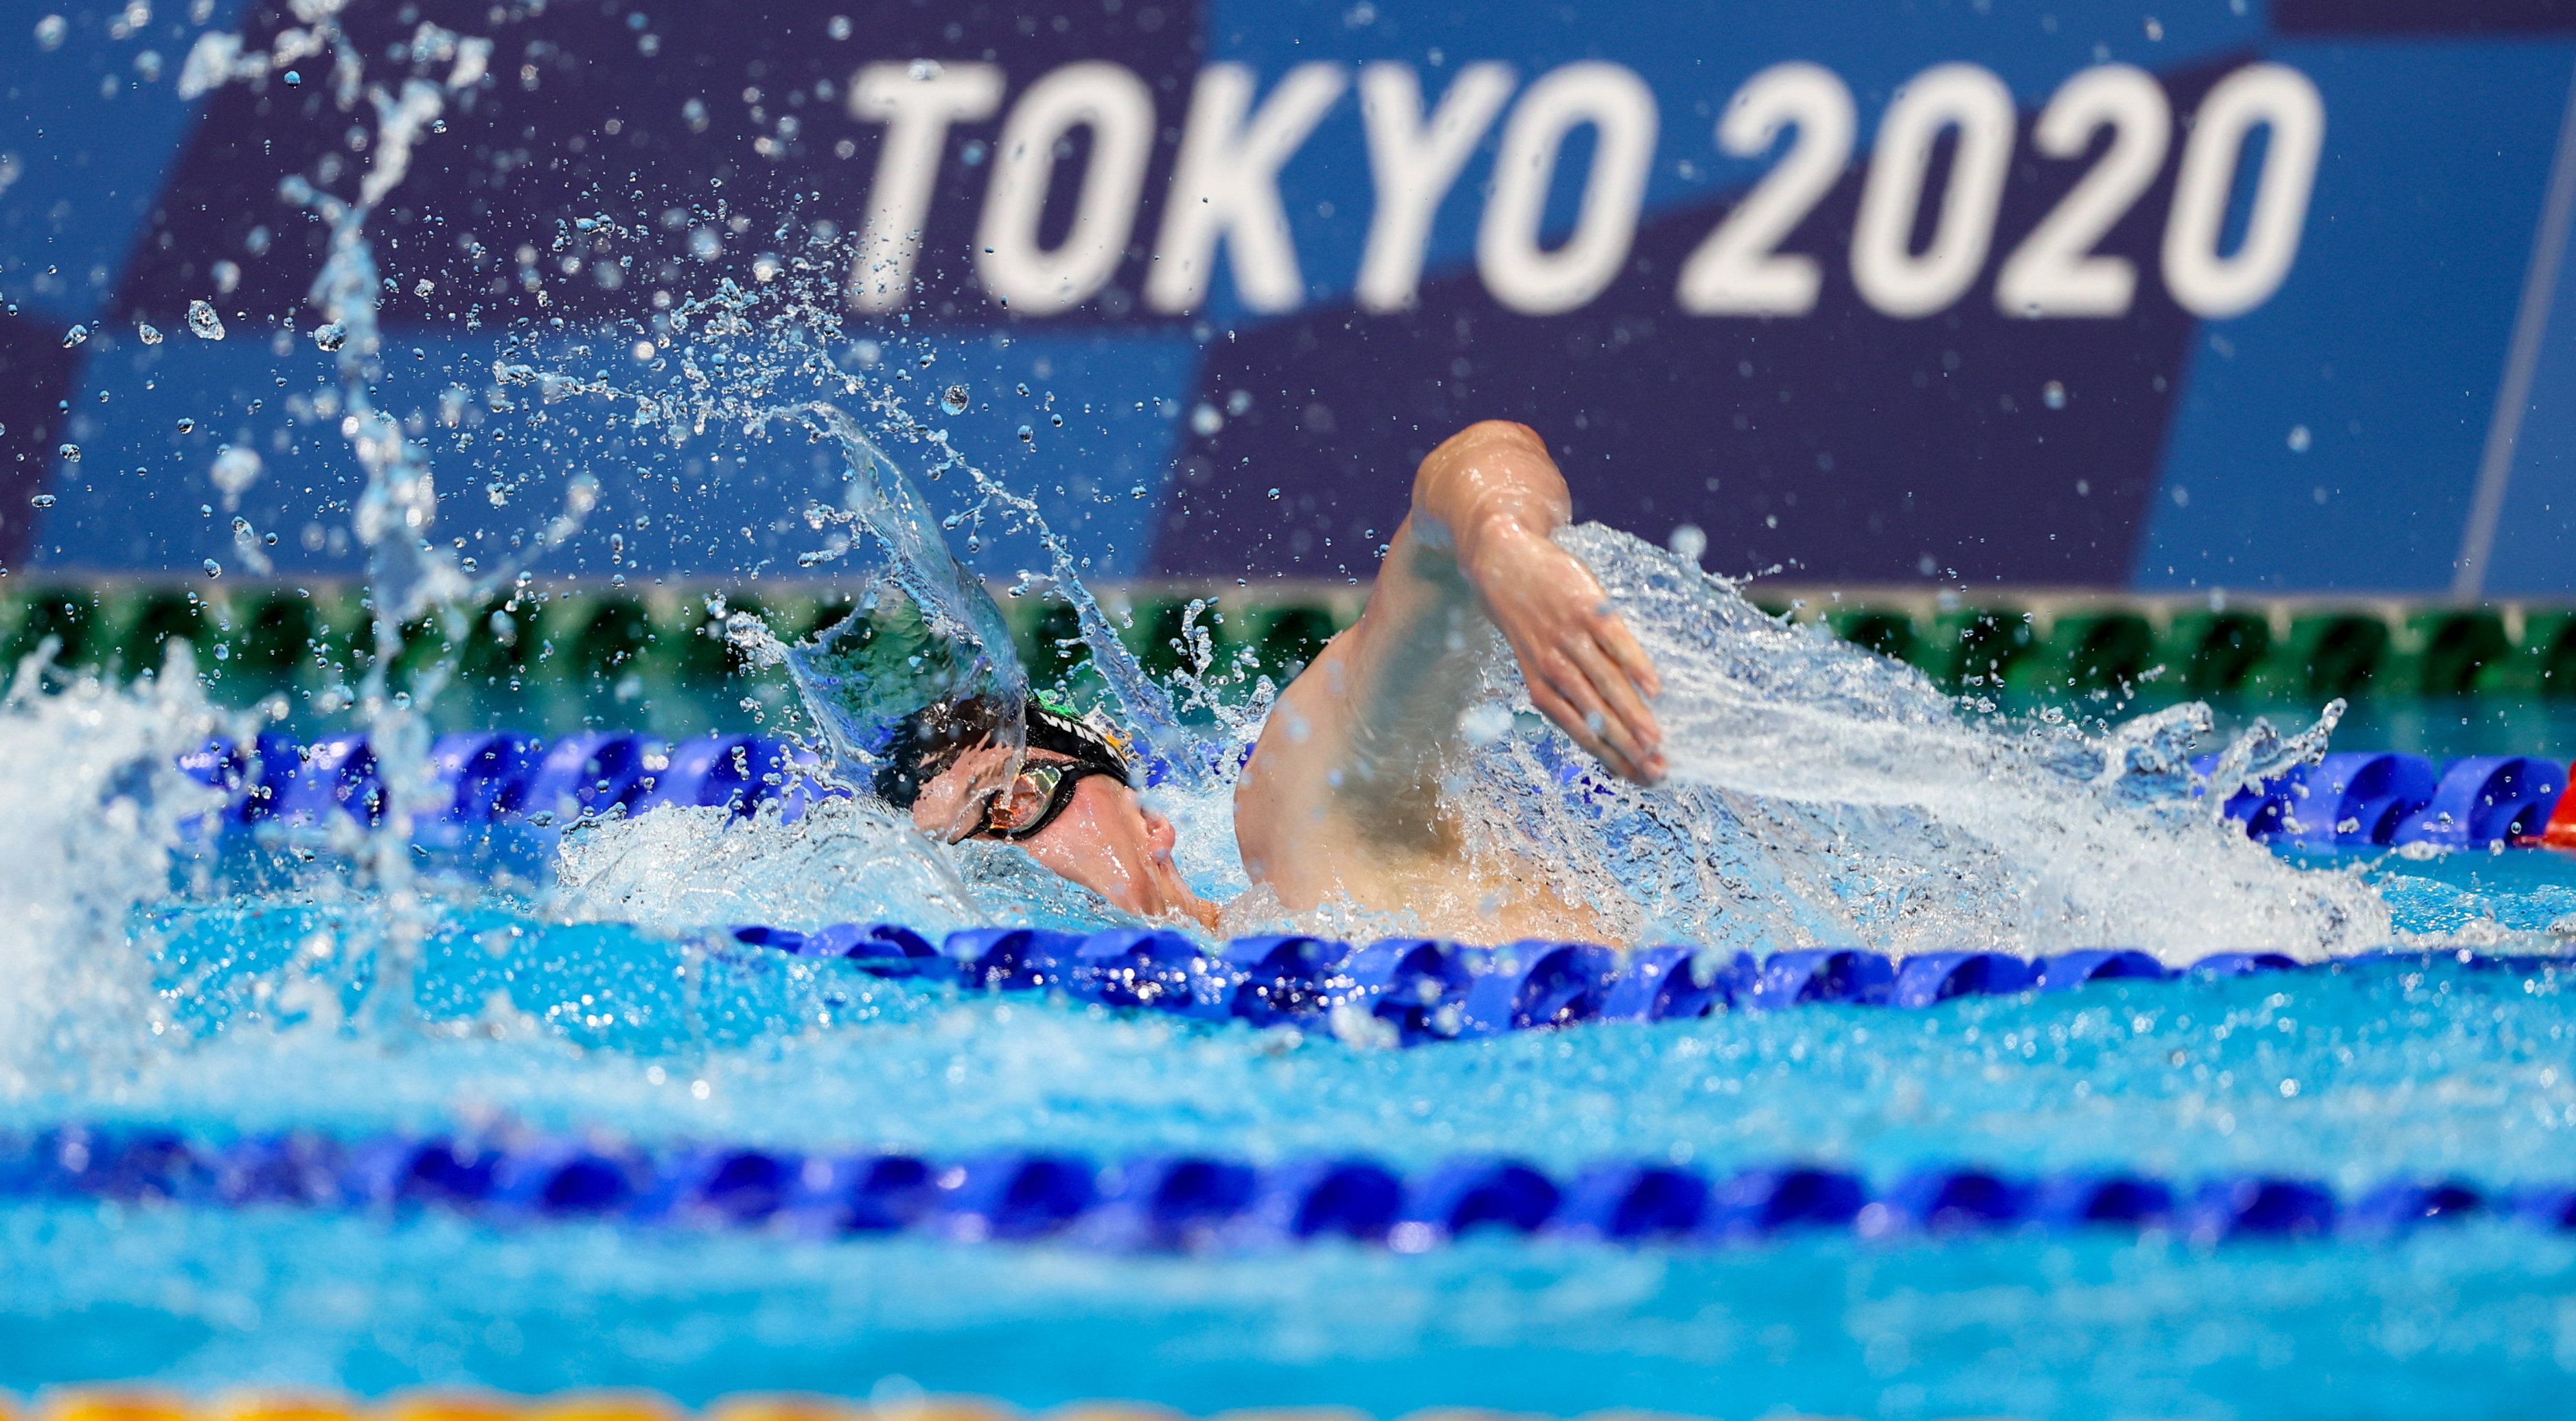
(1188, 1201)
(481, 778)
(2357, 800)
(2373, 799)
(1429, 990)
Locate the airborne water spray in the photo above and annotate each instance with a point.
(409, 577)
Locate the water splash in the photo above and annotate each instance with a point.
(763, 362)
(88, 835)
(1823, 794)
(923, 628)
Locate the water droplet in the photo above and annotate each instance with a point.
(2053, 395)
(203, 322)
(2299, 439)
(1274, 494)
(214, 568)
(42, 500)
(1687, 541)
(294, 77)
(1028, 435)
(1205, 421)
(50, 32)
(75, 336)
(1484, 723)
(838, 27)
(70, 453)
(1239, 402)
(147, 332)
(187, 425)
(331, 336)
(234, 470)
(953, 399)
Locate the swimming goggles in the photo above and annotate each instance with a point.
(1031, 801)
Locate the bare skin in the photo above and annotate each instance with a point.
(1341, 799)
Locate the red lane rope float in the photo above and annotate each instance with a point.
(131, 1403)
(124, 1403)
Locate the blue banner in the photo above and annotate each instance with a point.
(2265, 297)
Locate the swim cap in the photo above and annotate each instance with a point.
(927, 741)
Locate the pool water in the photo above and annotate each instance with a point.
(332, 982)
(519, 1011)
(567, 980)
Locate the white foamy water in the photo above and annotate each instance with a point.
(1823, 794)
(89, 817)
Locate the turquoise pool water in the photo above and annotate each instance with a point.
(343, 985)
(319, 980)
(2347, 1076)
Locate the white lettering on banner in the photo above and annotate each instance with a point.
(917, 103)
(2271, 96)
(1891, 276)
(1413, 164)
(1523, 275)
(2054, 272)
(1738, 269)
(1119, 110)
(1226, 186)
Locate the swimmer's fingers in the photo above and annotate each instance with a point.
(1611, 630)
(1629, 724)
(1563, 695)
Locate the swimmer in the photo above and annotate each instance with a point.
(1342, 798)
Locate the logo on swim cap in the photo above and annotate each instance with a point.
(924, 743)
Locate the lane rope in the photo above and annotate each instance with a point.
(2370, 799)
(1415, 990)
(112, 1402)
(1188, 1202)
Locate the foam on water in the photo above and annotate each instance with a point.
(89, 817)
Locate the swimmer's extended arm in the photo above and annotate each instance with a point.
(1364, 734)
(1489, 501)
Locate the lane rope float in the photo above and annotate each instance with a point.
(2354, 800)
(1424, 989)
(1185, 1201)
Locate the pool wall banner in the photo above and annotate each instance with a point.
(2054, 293)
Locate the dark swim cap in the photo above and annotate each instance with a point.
(930, 739)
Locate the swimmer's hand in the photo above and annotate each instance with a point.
(1584, 668)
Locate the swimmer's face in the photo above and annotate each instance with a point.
(1104, 839)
